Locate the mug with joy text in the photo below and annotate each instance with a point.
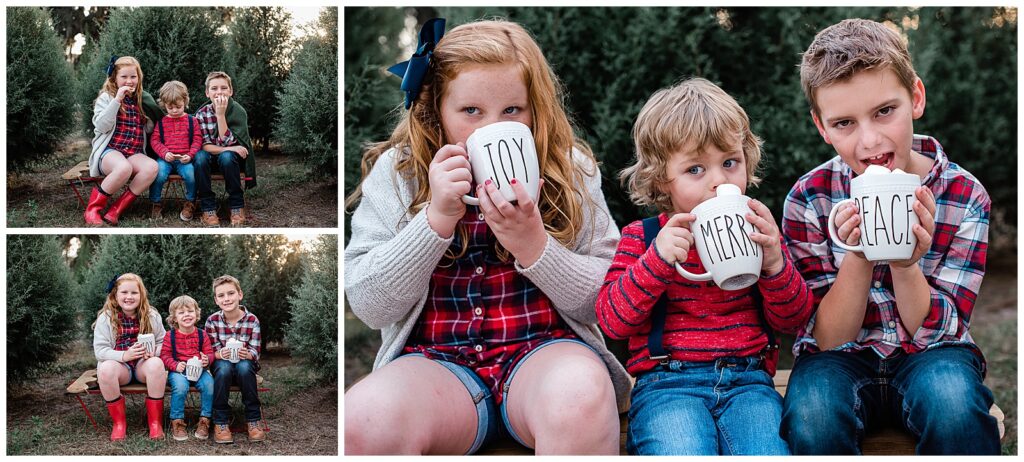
(501, 152)
(721, 234)
(885, 203)
(149, 341)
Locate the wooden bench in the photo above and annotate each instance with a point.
(86, 384)
(79, 175)
(887, 441)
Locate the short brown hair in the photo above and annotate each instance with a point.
(225, 279)
(173, 92)
(694, 112)
(848, 47)
(218, 75)
(180, 302)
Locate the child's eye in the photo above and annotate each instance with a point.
(471, 110)
(695, 170)
(842, 124)
(886, 110)
(730, 163)
(511, 110)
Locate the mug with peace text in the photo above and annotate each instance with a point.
(885, 203)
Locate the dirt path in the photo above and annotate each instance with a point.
(286, 196)
(303, 416)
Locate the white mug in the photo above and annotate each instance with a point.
(233, 347)
(885, 204)
(149, 341)
(501, 152)
(193, 369)
(721, 233)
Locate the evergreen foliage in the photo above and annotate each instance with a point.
(257, 50)
(40, 102)
(312, 333)
(307, 123)
(180, 43)
(40, 303)
(610, 60)
(269, 268)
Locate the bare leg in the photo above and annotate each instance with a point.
(152, 373)
(110, 375)
(145, 170)
(117, 169)
(561, 401)
(410, 406)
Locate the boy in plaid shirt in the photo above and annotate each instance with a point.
(234, 321)
(889, 341)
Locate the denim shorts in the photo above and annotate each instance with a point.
(133, 377)
(490, 425)
(104, 153)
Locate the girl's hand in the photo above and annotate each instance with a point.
(675, 239)
(244, 353)
(767, 235)
(181, 367)
(924, 230)
(450, 178)
(204, 358)
(132, 353)
(121, 91)
(518, 227)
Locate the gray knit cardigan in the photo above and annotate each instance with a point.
(391, 256)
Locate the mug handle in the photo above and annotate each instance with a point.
(705, 276)
(834, 234)
(470, 200)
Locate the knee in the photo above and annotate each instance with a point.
(121, 170)
(245, 368)
(579, 392)
(374, 421)
(202, 158)
(108, 371)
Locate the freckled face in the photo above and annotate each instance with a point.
(481, 95)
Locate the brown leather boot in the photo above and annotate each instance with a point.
(156, 211)
(256, 433)
(178, 431)
(203, 428)
(237, 217)
(187, 211)
(210, 218)
(222, 434)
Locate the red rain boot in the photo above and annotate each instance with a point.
(119, 206)
(97, 201)
(155, 417)
(116, 410)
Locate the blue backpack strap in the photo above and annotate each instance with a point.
(200, 340)
(655, 345)
(174, 346)
(160, 128)
(191, 132)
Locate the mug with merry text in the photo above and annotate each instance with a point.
(885, 203)
(501, 152)
(721, 234)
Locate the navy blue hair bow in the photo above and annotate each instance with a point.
(110, 65)
(413, 70)
(112, 283)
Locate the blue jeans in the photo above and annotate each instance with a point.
(937, 395)
(724, 407)
(242, 373)
(164, 169)
(179, 391)
(230, 165)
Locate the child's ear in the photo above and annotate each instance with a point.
(917, 98)
(821, 129)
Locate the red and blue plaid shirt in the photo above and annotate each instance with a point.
(702, 322)
(207, 118)
(953, 267)
(482, 313)
(129, 333)
(246, 330)
(127, 137)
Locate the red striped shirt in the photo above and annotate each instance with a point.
(176, 137)
(703, 322)
(187, 345)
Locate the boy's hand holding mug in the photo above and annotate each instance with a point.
(675, 239)
(204, 358)
(180, 368)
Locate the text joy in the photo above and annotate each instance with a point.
(507, 160)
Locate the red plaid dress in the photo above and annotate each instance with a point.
(127, 138)
(481, 313)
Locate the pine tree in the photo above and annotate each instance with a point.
(40, 105)
(257, 47)
(40, 303)
(269, 269)
(312, 333)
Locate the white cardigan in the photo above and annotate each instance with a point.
(103, 339)
(104, 118)
(391, 256)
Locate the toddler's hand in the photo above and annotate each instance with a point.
(675, 239)
(767, 235)
(204, 358)
(450, 178)
(180, 368)
(184, 159)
